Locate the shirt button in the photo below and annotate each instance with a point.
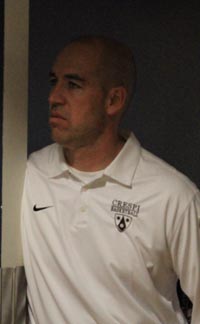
(83, 209)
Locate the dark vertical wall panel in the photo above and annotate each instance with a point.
(166, 41)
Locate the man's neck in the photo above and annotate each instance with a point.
(96, 156)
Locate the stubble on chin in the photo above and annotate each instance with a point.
(78, 137)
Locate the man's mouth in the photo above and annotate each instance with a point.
(56, 115)
(57, 120)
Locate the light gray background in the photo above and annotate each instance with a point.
(1, 102)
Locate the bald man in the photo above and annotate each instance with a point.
(107, 227)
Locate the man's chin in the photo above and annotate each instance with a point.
(58, 137)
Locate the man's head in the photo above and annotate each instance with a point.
(115, 63)
(92, 83)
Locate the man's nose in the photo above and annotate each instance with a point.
(56, 95)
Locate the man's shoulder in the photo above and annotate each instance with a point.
(165, 176)
(43, 158)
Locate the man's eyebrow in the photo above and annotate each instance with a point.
(71, 76)
(74, 76)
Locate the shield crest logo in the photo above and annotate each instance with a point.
(122, 222)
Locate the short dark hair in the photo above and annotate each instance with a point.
(117, 64)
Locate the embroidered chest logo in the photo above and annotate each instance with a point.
(124, 213)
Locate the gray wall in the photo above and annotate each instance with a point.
(1, 102)
(166, 41)
(13, 155)
(14, 137)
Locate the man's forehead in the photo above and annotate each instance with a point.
(79, 54)
(84, 60)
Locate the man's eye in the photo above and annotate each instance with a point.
(52, 82)
(73, 85)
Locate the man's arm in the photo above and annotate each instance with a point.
(185, 251)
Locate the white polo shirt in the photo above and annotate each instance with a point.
(110, 251)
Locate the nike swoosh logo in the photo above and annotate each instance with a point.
(35, 208)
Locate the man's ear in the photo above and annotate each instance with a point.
(116, 100)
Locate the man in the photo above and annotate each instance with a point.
(107, 227)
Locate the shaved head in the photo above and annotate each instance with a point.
(115, 62)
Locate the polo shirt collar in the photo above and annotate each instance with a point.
(122, 169)
(57, 164)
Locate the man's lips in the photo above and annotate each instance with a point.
(57, 115)
(57, 119)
